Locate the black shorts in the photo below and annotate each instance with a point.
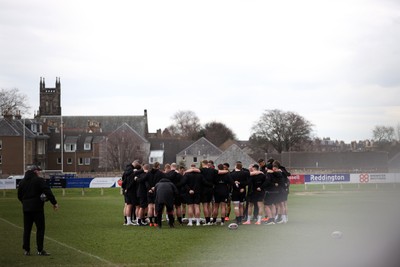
(206, 197)
(285, 196)
(182, 199)
(143, 202)
(151, 198)
(192, 199)
(131, 199)
(237, 196)
(280, 196)
(177, 201)
(258, 196)
(269, 198)
(218, 198)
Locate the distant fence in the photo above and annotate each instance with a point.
(57, 182)
(351, 178)
(107, 182)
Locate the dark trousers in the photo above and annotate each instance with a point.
(29, 219)
(170, 213)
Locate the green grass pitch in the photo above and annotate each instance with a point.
(88, 231)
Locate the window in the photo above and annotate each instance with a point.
(80, 161)
(1, 160)
(1, 144)
(58, 146)
(41, 147)
(87, 161)
(34, 128)
(194, 159)
(70, 147)
(59, 161)
(87, 146)
(151, 160)
(69, 161)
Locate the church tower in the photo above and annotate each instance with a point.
(50, 99)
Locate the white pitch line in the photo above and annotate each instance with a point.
(65, 245)
(113, 264)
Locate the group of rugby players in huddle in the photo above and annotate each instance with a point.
(258, 193)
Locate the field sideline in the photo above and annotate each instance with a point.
(88, 231)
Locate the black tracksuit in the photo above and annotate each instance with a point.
(165, 192)
(29, 190)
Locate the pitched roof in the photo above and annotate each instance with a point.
(125, 126)
(107, 123)
(88, 139)
(233, 154)
(71, 139)
(229, 142)
(14, 128)
(201, 147)
(170, 146)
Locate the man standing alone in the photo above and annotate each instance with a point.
(30, 192)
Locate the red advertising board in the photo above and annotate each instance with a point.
(296, 179)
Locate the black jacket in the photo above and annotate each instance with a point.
(268, 185)
(278, 181)
(155, 177)
(142, 184)
(177, 179)
(209, 175)
(223, 184)
(286, 180)
(130, 184)
(194, 181)
(165, 192)
(258, 181)
(242, 177)
(29, 190)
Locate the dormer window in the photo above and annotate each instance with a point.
(70, 144)
(70, 147)
(88, 143)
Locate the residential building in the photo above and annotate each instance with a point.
(21, 144)
(233, 154)
(198, 151)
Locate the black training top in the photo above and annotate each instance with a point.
(29, 190)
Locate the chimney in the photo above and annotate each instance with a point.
(8, 115)
(18, 115)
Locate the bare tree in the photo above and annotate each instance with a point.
(13, 102)
(122, 147)
(217, 133)
(282, 130)
(383, 133)
(186, 125)
(259, 146)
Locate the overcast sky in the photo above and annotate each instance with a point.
(336, 63)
